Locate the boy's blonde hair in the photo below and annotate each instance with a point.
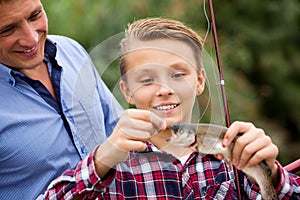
(159, 28)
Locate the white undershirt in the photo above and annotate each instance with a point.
(183, 159)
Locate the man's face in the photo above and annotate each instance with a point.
(23, 31)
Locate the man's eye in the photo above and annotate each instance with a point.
(6, 31)
(35, 15)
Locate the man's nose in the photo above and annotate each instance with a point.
(29, 36)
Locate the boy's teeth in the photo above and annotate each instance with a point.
(166, 107)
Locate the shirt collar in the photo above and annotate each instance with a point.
(7, 74)
(50, 50)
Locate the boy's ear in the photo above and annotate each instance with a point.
(126, 92)
(201, 82)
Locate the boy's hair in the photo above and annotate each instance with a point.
(160, 28)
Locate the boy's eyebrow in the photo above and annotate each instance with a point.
(178, 64)
(147, 68)
(142, 70)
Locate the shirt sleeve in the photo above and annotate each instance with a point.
(287, 188)
(289, 184)
(82, 181)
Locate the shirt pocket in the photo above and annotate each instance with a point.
(89, 120)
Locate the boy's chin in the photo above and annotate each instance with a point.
(175, 121)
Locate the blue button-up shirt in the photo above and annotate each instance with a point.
(39, 137)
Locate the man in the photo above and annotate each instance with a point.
(54, 107)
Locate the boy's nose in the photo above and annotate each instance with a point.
(164, 90)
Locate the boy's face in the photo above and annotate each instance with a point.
(23, 31)
(162, 77)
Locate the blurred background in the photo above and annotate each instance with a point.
(259, 46)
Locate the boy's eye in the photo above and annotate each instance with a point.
(178, 75)
(147, 80)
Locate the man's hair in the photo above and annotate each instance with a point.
(4, 1)
(160, 28)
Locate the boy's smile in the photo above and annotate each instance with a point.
(165, 107)
(161, 76)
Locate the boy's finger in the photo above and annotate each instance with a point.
(148, 116)
(235, 129)
(219, 156)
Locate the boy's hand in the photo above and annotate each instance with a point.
(134, 128)
(252, 147)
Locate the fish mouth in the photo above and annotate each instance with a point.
(166, 107)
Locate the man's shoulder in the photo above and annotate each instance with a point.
(60, 39)
(66, 46)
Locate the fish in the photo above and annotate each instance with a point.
(207, 139)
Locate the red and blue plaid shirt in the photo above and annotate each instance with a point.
(158, 175)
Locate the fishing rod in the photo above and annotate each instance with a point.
(222, 85)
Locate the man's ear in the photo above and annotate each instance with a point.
(201, 82)
(126, 92)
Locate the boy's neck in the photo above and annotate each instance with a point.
(160, 141)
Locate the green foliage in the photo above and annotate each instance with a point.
(260, 40)
(259, 44)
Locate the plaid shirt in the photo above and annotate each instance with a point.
(158, 175)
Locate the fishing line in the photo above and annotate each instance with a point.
(214, 100)
(222, 82)
(207, 20)
(206, 107)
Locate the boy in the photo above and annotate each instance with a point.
(161, 75)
